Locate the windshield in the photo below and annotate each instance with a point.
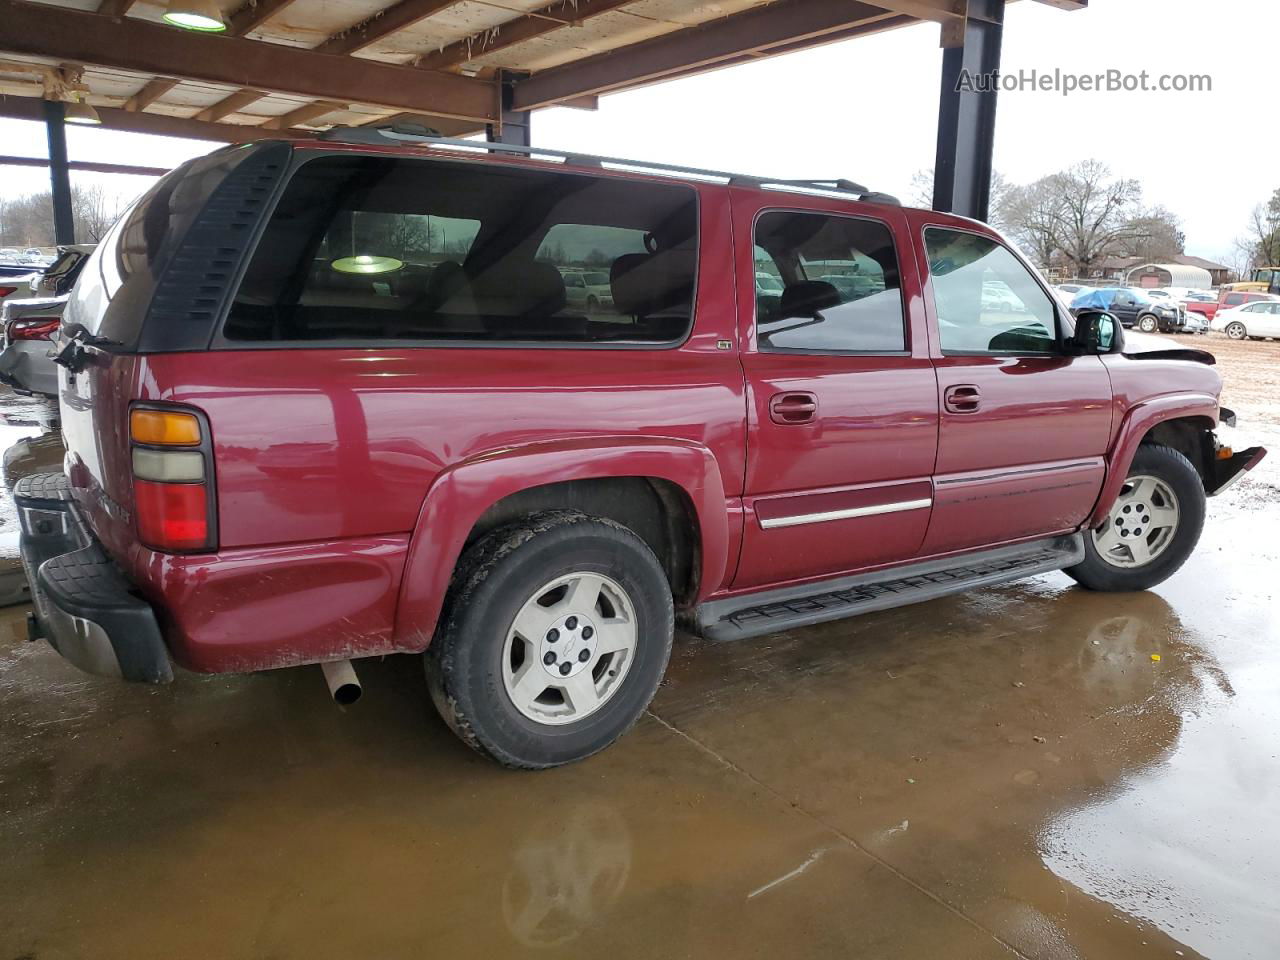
(597, 279)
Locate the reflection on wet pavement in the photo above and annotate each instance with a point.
(1001, 774)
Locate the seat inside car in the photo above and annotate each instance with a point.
(655, 289)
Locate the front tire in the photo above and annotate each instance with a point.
(556, 632)
(1152, 528)
(1236, 330)
(1148, 324)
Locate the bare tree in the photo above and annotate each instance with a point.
(1155, 235)
(93, 212)
(922, 193)
(1032, 214)
(1264, 232)
(1096, 213)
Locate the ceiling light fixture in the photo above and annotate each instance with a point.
(77, 111)
(201, 15)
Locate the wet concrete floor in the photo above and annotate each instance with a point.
(1008, 773)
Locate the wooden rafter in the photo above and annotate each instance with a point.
(527, 27)
(397, 17)
(233, 103)
(253, 15)
(149, 94)
(158, 50)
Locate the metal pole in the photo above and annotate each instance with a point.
(515, 127)
(64, 226)
(967, 114)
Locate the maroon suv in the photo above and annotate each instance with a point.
(330, 400)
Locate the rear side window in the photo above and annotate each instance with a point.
(986, 300)
(375, 248)
(837, 286)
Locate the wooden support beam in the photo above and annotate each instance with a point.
(29, 108)
(253, 15)
(149, 94)
(786, 24)
(159, 50)
(536, 24)
(307, 113)
(233, 103)
(403, 14)
(939, 11)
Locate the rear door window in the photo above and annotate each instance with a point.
(374, 248)
(837, 288)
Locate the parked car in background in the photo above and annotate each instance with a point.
(1202, 304)
(270, 463)
(1194, 323)
(1255, 320)
(1070, 290)
(28, 329)
(17, 286)
(1133, 308)
(29, 325)
(599, 292)
(60, 276)
(1237, 298)
(998, 298)
(9, 253)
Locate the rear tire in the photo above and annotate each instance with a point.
(1152, 528)
(556, 632)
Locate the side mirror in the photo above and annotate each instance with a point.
(1097, 332)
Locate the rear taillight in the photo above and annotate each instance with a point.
(33, 328)
(5, 291)
(173, 493)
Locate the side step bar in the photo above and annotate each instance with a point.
(770, 611)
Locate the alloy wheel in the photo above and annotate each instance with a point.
(1141, 525)
(569, 648)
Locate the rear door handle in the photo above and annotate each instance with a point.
(962, 398)
(788, 408)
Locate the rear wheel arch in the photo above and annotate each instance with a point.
(657, 510)
(680, 503)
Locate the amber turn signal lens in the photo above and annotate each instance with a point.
(164, 427)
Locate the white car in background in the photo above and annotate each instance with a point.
(1258, 319)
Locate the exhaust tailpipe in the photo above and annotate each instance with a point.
(344, 685)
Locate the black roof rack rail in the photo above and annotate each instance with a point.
(425, 136)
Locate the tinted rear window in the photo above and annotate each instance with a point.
(374, 248)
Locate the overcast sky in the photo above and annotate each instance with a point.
(866, 109)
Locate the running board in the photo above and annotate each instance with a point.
(769, 611)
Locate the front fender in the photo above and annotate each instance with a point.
(463, 492)
(1135, 425)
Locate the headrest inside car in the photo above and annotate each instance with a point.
(647, 283)
(808, 297)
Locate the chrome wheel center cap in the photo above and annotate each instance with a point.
(569, 646)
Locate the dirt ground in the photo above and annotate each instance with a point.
(1250, 375)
